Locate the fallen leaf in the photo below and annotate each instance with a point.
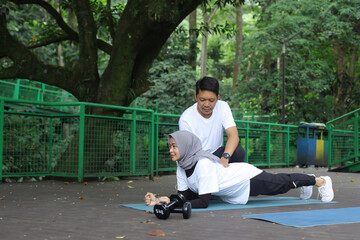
(157, 233)
(352, 180)
(130, 182)
(146, 221)
(120, 237)
(66, 182)
(1, 198)
(85, 183)
(148, 212)
(81, 198)
(130, 186)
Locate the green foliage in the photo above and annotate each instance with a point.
(173, 80)
(27, 141)
(311, 70)
(310, 63)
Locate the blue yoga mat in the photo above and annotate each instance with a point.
(312, 217)
(252, 203)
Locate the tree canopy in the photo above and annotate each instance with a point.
(110, 45)
(112, 51)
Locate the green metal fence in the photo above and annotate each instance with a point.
(268, 144)
(78, 145)
(35, 142)
(23, 89)
(343, 143)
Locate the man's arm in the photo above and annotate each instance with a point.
(231, 144)
(183, 125)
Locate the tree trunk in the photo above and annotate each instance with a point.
(238, 47)
(59, 49)
(267, 93)
(344, 83)
(207, 19)
(248, 68)
(193, 33)
(352, 63)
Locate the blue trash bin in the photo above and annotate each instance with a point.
(311, 148)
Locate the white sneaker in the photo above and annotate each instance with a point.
(326, 192)
(306, 191)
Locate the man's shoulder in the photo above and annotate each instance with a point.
(189, 110)
(222, 103)
(222, 107)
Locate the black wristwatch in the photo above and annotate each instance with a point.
(226, 155)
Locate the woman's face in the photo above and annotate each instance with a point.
(174, 150)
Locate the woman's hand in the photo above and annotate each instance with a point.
(151, 200)
(164, 199)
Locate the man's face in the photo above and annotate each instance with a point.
(206, 102)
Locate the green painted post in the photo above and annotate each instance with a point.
(133, 144)
(287, 151)
(151, 145)
(356, 136)
(329, 127)
(2, 106)
(247, 143)
(268, 146)
(156, 144)
(17, 89)
(81, 143)
(50, 146)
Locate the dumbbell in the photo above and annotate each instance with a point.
(178, 204)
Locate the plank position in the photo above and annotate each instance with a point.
(200, 175)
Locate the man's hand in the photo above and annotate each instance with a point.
(224, 162)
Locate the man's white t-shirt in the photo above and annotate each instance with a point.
(231, 184)
(211, 130)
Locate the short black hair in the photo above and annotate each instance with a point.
(209, 84)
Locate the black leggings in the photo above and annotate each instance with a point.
(272, 184)
(237, 156)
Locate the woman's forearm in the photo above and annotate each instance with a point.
(197, 201)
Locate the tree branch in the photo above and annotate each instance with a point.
(140, 34)
(73, 35)
(52, 11)
(212, 14)
(26, 64)
(50, 41)
(86, 71)
(110, 19)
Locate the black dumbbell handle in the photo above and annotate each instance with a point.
(176, 210)
(172, 204)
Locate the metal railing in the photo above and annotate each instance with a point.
(77, 144)
(23, 89)
(343, 140)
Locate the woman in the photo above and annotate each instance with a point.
(200, 175)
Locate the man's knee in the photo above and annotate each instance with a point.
(238, 155)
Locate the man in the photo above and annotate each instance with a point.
(208, 118)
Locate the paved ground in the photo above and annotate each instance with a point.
(54, 209)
